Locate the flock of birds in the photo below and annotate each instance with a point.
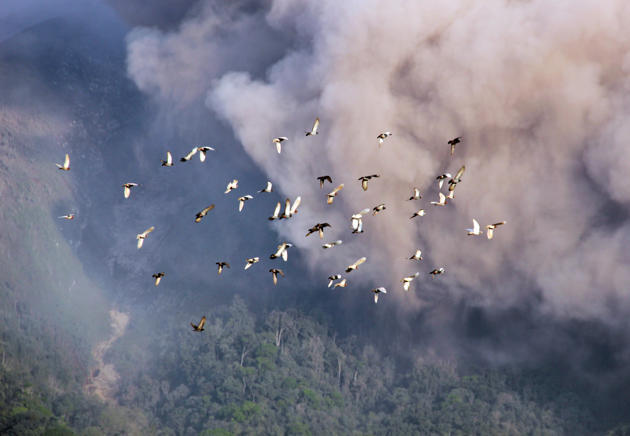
(291, 208)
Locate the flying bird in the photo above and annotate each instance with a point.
(356, 264)
(242, 200)
(356, 221)
(169, 160)
(332, 244)
(282, 251)
(421, 212)
(490, 228)
(416, 256)
(319, 227)
(70, 216)
(341, 284)
(332, 278)
(66, 164)
(127, 188)
(377, 291)
(441, 179)
(142, 236)
(364, 180)
(437, 271)
(333, 194)
(203, 213)
(382, 137)
(190, 155)
(158, 277)
(199, 328)
(458, 178)
(406, 281)
(202, 152)
(453, 142)
(276, 212)
(231, 186)
(290, 209)
(278, 141)
(220, 266)
(475, 231)
(442, 201)
(378, 208)
(268, 188)
(274, 272)
(251, 261)
(314, 128)
(323, 179)
(416, 194)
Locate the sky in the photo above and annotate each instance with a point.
(539, 92)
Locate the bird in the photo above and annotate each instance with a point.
(458, 178)
(437, 271)
(441, 179)
(378, 208)
(66, 164)
(142, 236)
(332, 278)
(332, 244)
(290, 209)
(199, 327)
(442, 201)
(169, 160)
(421, 212)
(341, 284)
(382, 137)
(323, 179)
(158, 277)
(202, 152)
(276, 212)
(356, 264)
(268, 188)
(475, 231)
(231, 186)
(333, 194)
(70, 216)
(278, 141)
(356, 221)
(364, 180)
(490, 228)
(203, 213)
(282, 251)
(242, 200)
(274, 272)
(319, 227)
(220, 266)
(127, 188)
(453, 142)
(416, 194)
(251, 261)
(314, 128)
(416, 256)
(406, 281)
(377, 291)
(189, 155)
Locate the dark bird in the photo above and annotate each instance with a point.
(274, 272)
(203, 213)
(437, 271)
(221, 265)
(199, 328)
(319, 227)
(364, 180)
(453, 142)
(323, 179)
(158, 277)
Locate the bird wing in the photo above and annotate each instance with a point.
(360, 261)
(452, 148)
(460, 172)
(149, 230)
(140, 242)
(279, 147)
(499, 223)
(490, 232)
(241, 203)
(202, 155)
(315, 126)
(285, 255)
(336, 190)
(296, 204)
(277, 209)
(287, 208)
(66, 162)
(169, 158)
(364, 184)
(208, 209)
(191, 154)
(442, 198)
(127, 191)
(475, 226)
(202, 322)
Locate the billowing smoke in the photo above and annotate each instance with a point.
(540, 92)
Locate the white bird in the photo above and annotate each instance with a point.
(382, 137)
(276, 212)
(190, 155)
(169, 160)
(377, 291)
(475, 231)
(314, 128)
(356, 221)
(437, 271)
(251, 261)
(278, 141)
(274, 272)
(282, 251)
(158, 277)
(231, 186)
(268, 188)
(333, 194)
(332, 278)
(490, 228)
(416, 256)
(142, 236)
(341, 284)
(416, 194)
(378, 208)
(242, 200)
(406, 281)
(421, 212)
(356, 264)
(202, 152)
(127, 188)
(442, 201)
(70, 216)
(66, 164)
(441, 179)
(332, 244)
